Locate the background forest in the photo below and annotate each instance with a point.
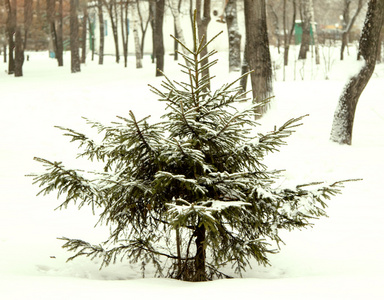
(111, 27)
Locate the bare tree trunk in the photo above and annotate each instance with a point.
(91, 26)
(276, 25)
(348, 24)
(244, 69)
(124, 30)
(159, 19)
(101, 30)
(314, 32)
(112, 11)
(345, 112)
(135, 29)
(59, 36)
(203, 17)
(288, 36)
(143, 25)
(74, 37)
(5, 52)
(152, 12)
(234, 36)
(11, 30)
(179, 34)
(19, 53)
(258, 55)
(84, 35)
(56, 33)
(306, 36)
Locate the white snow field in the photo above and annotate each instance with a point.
(341, 257)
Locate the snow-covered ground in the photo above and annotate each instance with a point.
(341, 257)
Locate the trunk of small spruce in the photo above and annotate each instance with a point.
(200, 272)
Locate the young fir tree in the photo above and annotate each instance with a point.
(192, 189)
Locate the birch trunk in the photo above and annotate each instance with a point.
(314, 32)
(135, 29)
(234, 36)
(173, 4)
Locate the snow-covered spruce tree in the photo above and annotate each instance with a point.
(190, 193)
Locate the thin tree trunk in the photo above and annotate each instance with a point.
(5, 52)
(244, 69)
(19, 53)
(348, 24)
(152, 11)
(143, 25)
(276, 25)
(101, 30)
(84, 35)
(200, 272)
(92, 33)
(314, 32)
(179, 34)
(234, 36)
(112, 11)
(59, 36)
(258, 55)
(135, 29)
(74, 37)
(306, 36)
(288, 36)
(11, 30)
(344, 116)
(203, 17)
(159, 19)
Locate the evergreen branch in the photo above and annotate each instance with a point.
(182, 44)
(67, 182)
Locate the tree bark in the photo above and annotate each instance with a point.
(200, 257)
(314, 32)
(74, 37)
(59, 36)
(348, 24)
(258, 55)
(152, 12)
(342, 125)
(11, 30)
(84, 35)
(234, 36)
(244, 69)
(101, 30)
(143, 25)
(288, 36)
(203, 17)
(56, 33)
(306, 36)
(19, 53)
(159, 19)
(135, 29)
(276, 25)
(179, 34)
(112, 11)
